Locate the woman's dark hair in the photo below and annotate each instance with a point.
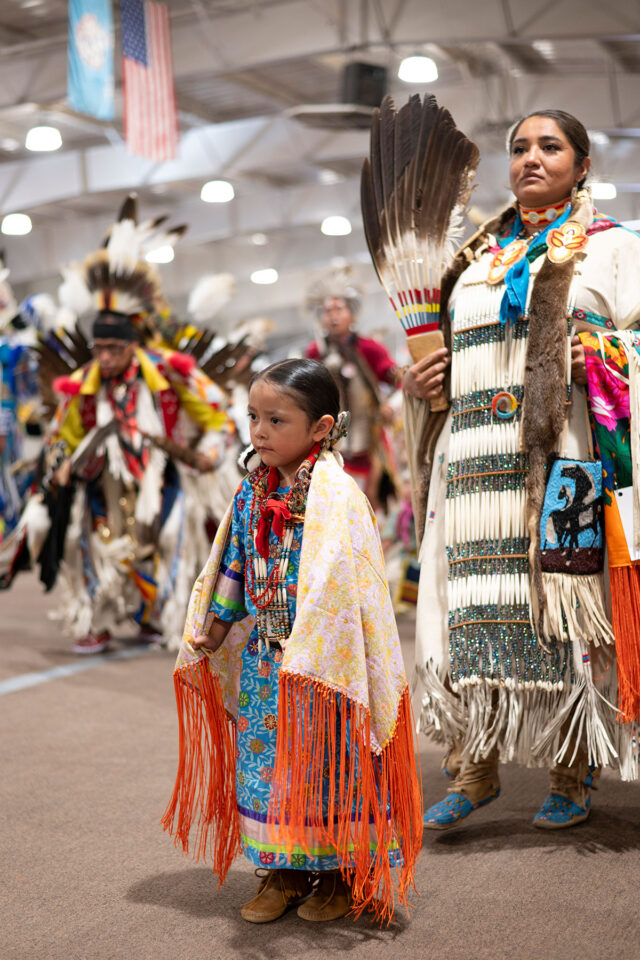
(573, 130)
(314, 389)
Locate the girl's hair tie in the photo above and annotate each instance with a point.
(339, 429)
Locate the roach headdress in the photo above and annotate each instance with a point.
(117, 279)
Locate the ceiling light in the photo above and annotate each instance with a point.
(43, 139)
(259, 239)
(10, 144)
(330, 177)
(268, 275)
(217, 191)
(599, 138)
(163, 254)
(544, 48)
(603, 191)
(418, 70)
(335, 226)
(16, 224)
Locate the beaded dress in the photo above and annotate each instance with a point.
(257, 721)
(488, 680)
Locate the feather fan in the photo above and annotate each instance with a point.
(59, 354)
(414, 187)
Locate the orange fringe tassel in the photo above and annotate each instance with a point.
(204, 791)
(384, 789)
(625, 609)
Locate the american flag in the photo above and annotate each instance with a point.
(150, 114)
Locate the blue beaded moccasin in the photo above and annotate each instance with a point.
(454, 808)
(558, 812)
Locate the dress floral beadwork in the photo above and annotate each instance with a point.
(257, 721)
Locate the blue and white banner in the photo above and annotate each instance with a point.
(90, 84)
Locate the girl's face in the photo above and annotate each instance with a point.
(543, 169)
(280, 430)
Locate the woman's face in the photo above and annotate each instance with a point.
(543, 169)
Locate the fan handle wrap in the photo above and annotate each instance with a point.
(423, 345)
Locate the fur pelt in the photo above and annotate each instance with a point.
(545, 390)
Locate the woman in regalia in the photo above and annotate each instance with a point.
(515, 647)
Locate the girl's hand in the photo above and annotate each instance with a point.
(578, 362)
(425, 378)
(214, 639)
(204, 641)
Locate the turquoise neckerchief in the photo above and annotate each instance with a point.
(516, 280)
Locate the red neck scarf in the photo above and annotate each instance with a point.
(274, 511)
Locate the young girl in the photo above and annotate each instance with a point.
(296, 737)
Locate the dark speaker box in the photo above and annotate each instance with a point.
(364, 84)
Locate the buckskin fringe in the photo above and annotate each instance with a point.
(324, 745)
(204, 795)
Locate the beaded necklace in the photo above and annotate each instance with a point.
(544, 215)
(271, 511)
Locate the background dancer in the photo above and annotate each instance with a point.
(134, 423)
(359, 366)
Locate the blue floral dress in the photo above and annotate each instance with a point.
(257, 721)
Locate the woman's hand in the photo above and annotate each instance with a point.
(578, 362)
(425, 378)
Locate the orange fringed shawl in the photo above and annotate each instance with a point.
(344, 655)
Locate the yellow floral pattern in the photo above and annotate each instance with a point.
(344, 635)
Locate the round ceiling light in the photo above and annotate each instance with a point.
(418, 70)
(268, 275)
(16, 224)
(336, 226)
(163, 254)
(43, 139)
(217, 191)
(603, 191)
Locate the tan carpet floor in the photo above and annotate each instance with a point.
(87, 874)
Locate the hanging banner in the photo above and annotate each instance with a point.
(90, 84)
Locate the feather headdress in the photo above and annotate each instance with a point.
(414, 188)
(116, 277)
(334, 282)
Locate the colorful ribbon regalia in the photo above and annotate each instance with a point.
(18, 398)
(613, 372)
(515, 644)
(343, 711)
(18, 390)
